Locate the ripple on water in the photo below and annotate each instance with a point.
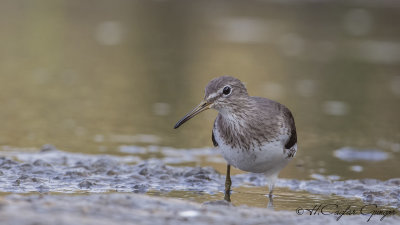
(351, 154)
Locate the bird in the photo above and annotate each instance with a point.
(253, 134)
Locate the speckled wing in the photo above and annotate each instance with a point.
(291, 144)
(274, 109)
(293, 134)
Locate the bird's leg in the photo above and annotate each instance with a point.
(270, 202)
(228, 184)
(271, 186)
(271, 189)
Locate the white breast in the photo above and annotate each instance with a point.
(268, 159)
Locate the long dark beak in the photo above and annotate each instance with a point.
(204, 105)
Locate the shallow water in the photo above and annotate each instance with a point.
(113, 78)
(53, 171)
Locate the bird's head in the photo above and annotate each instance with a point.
(222, 93)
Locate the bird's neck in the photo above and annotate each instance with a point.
(238, 115)
(238, 110)
(232, 118)
(233, 128)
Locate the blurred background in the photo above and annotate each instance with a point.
(95, 76)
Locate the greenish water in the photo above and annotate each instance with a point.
(92, 77)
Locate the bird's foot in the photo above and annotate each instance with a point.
(228, 184)
(227, 197)
(270, 201)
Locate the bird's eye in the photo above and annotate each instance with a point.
(226, 90)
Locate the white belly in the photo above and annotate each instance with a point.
(269, 159)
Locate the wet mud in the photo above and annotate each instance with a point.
(53, 171)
